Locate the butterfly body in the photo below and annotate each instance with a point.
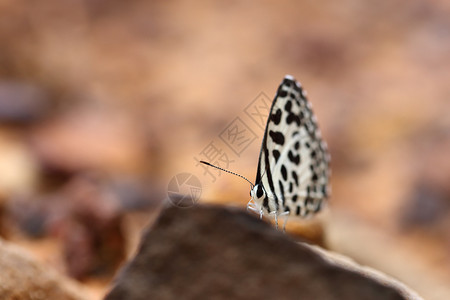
(293, 169)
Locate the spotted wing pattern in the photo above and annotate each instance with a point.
(294, 161)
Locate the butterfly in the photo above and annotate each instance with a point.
(292, 178)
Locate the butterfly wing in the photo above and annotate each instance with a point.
(293, 165)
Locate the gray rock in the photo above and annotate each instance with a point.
(221, 253)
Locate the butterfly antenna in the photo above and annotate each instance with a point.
(219, 168)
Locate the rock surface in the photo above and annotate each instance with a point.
(21, 277)
(220, 253)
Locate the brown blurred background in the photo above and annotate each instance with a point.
(103, 102)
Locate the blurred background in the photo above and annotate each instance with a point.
(102, 103)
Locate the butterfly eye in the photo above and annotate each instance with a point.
(259, 191)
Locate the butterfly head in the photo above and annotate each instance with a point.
(258, 193)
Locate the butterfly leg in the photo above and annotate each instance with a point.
(275, 216)
(286, 215)
(252, 206)
(276, 220)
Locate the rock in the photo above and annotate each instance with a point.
(21, 277)
(85, 216)
(221, 253)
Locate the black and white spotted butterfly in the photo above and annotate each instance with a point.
(293, 169)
